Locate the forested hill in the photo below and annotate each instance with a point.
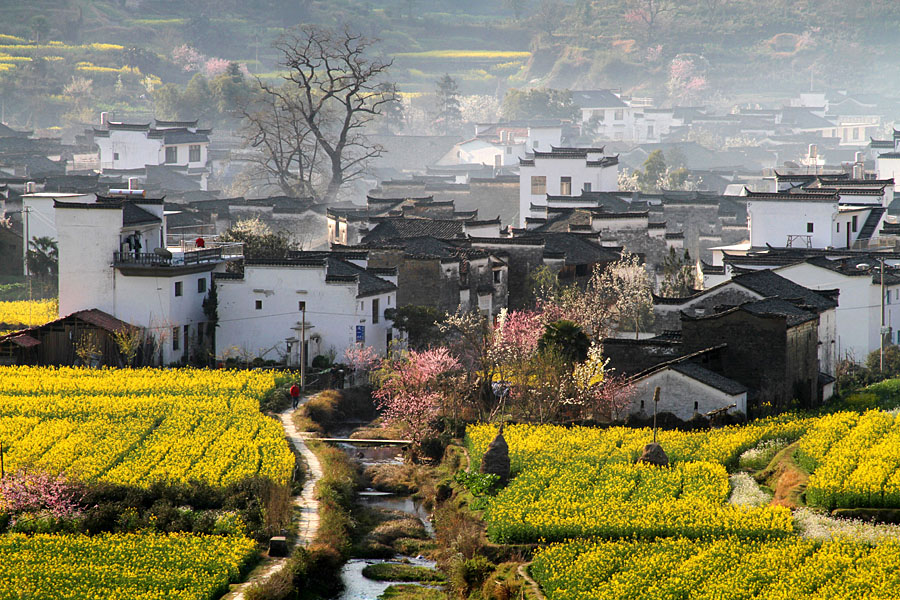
(722, 50)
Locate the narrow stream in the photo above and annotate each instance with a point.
(356, 586)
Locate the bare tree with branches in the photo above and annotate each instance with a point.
(313, 135)
(288, 155)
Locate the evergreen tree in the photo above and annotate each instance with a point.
(448, 118)
(654, 170)
(679, 279)
(392, 117)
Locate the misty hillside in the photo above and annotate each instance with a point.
(730, 48)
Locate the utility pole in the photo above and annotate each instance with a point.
(655, 405)
(881, 345)
(26, 210)
(303, 347)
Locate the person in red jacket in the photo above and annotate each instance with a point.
(295, 395)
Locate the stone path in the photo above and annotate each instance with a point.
(306, 509)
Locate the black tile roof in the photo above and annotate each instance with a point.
(769, 284)
(183, 136)
(179, 124)
(710, 378)
(369, 284)
(778, 307)
(393, 228)
(578, 249)
(135, 215)
(597, 99)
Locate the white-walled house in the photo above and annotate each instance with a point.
(563, 172)
(609, 116)
(503, 144)
(811, 219)
(858, 316)
(686, 389)
(133, 146)
(260, 311)
(112, 257)
(39, 215)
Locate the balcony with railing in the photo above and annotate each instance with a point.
(166, 259)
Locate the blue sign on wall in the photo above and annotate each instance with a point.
(360, 333)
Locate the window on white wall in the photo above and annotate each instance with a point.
(538, 185)
(179, 288)
(194, 153)
(172, 154)
(565, 186)
(809, 228)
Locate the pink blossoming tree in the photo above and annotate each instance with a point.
(361, 359)
(413, 388)
(35, 492)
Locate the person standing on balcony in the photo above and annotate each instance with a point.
(200, 242)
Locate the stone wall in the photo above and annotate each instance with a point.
(762, 354)
(522, 260)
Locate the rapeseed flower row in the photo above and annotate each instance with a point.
(581, 482)
(144, 566)
(143, 425)
(786, 568)
(855, 460)
(528, 443)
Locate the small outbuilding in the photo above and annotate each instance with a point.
(687, 388)
(57, 343)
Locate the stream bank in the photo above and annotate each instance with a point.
(388, 523)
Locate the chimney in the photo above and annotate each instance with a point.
(30, 187)
(133, 183)
(813, 151)
(104, 119)
(859, 170)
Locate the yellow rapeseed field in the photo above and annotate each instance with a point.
(145, 566)
(582, 482)
(27, 313)
(732, 568)
(138, 426)
(855, 459)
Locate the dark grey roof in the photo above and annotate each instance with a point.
(714, 380)
(577, 249)
(179, 124)
(781, 308)
(803, 118)
(769, 284)
(408, 228)
(135, 215)
(597, 99)
(170, 178)
(369, 285)
(183, 136)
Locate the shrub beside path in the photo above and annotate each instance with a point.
(306, 509)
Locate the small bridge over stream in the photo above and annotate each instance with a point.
(363, 441)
